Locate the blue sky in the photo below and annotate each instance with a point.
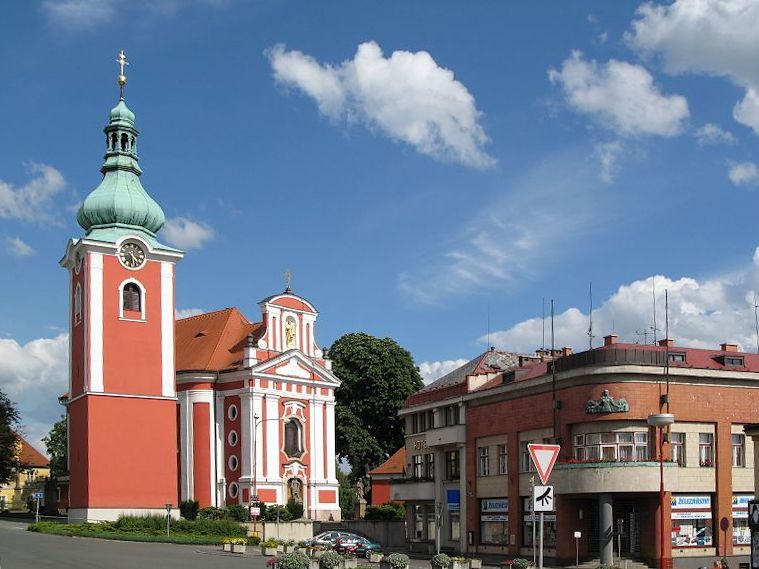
(416, 166)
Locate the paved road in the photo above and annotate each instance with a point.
(20, 549)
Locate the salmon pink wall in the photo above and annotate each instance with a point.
(327, 496)
(131, 350)
(201, 466)
(78, 453)
(132, 452)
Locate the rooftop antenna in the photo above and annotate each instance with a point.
(645, 333)
(553, 373)
(590, 318)
(653, 293)
(756, 322)
(488, 326)
(544, 323)
(666, 346)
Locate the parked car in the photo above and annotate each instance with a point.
(357, 545)
(327, 538)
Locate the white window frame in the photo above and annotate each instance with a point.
(503, 459)
(484, 465)
(143, 297)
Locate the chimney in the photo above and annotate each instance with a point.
(666, 343)
(565, 351)
(249, 353)
(728, 347)
(610, 340)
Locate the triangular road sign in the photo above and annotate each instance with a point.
(544, 457)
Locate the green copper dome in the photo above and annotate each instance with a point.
(120, 201)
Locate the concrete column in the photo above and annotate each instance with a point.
(606, 529)
(463, 543)
(440, 467)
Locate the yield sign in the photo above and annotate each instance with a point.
(544, 457)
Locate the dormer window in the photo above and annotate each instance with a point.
(132, 300)
(677, 357)
(734, 361)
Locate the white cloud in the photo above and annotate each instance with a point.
(430, 371)
(744, 174)
(710, 133)
(512, 237)
(620, 96)
(79, 14)
(407, 96)
(186, 233)
(33, 200)
(607, 154)
(702, 313)
(180, 313)
(710, 37)
(18, 248)
(33, 375)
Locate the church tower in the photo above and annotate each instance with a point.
(122, 403)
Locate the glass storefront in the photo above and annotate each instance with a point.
(741, 531)
(529, 519)
(494, 521)
(692, 520)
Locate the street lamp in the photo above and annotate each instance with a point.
(659, 421)
(256, 422)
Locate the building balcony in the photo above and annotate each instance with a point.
(444, 436)
(594, 477)
(412, 489)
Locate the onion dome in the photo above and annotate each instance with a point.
(120, 201)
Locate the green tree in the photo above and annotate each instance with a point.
(56, 442)
(347, 495)
(9, 419)
(377, 375)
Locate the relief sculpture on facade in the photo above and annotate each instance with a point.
(606, 404)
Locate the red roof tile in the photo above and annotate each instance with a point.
(30, 456)
(396, 464)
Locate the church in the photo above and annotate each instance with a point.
(214, 407)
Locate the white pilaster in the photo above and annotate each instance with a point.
(259, 458)
(312, 460)
(168, 375)
(185, 445)
(330, 438)
(272, 437)
(96, 322)
(220, 435)
(317, 459)
(246, 435)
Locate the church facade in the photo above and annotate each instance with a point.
(213, 408)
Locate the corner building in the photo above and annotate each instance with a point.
(213, 408)
(595, 404)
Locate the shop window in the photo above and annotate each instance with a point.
(531, 519)
(706, 449)
(293, 438)
(677, 443)
(417, 465)
(503, 460)
(494, 521)
(484, 461)
(452, 465)
(739, 450)
(692, 520)
(741, 530)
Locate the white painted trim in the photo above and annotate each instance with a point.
(124, 395)
(80, 515)
(273, 437)
(143, 295)
(95, 339)
(168, 374)
(283, 331)
(246, 434)
(317, 451)
(185, 445)
(330, 438)
(218, 490)
(78, 306)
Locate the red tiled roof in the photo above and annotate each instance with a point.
(30, 456)
(396, 464)
(213, 341)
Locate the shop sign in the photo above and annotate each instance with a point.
(691, 502)
(691, 515)
(536, 517)
(494, 517)
(501, 505)
(740, 501)
(454, 500)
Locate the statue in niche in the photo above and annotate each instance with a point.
(606, 404)
(290, 332)
(294, 487)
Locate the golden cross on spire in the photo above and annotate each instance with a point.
(122, 78)
(288, 280)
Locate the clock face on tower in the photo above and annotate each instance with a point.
(131, 255)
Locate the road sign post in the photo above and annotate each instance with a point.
(544, 457)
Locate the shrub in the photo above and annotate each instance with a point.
(441, 560)
(271, 513)
(254, 540)
(270, 543)
(397, 560)
(237, 512)
(189, 509)
(211, 513)
(386, 512)
(330, 560)
(295, 509)
(520, 563)
(295, 560)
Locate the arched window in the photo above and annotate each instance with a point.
(293, 438)
(124, 142)
(131, 298)
(78, 304)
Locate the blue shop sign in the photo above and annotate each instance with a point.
(454, 500)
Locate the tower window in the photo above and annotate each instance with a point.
(114, 141)
(78, 304)
(293, 438)
(131, 298)
(124, 142)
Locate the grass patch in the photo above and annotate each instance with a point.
(148, 529)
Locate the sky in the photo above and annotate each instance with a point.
(436, 172)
